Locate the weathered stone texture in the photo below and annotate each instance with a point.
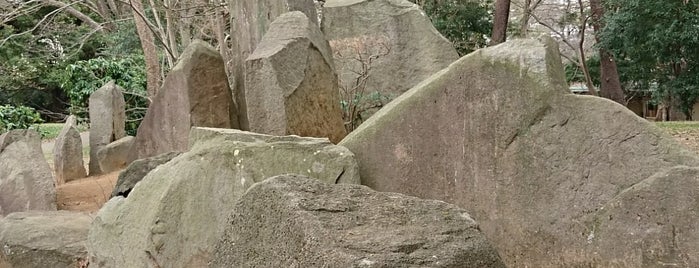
(406, 46)
(35, 239)
(291, 84)
(194, 93)
(115, 156)
(68, 162)
(107, 120)
(137, 170)
(498, 134)
(295, 221)
(26, 182)
(176, 214)
(251, 21)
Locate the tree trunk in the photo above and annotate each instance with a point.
(609, 75)
(524, 20)
(502, 14)
(150, 51)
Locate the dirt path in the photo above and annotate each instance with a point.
(88, 194)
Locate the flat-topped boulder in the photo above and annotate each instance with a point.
(26, 182)
(291, 85)
(175, 215)
(194, 93)
(53, 239)
(295, 221)
(542, 170)
(115, 156)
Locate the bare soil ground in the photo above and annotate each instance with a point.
(685, 132)
(88, 194)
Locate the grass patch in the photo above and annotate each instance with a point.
(50, 131)
(679, 126)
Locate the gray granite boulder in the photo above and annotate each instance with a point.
(137, 170)
(554, 179)
(296, 221)
(251, 19)
(26, 182)
(107, 120)
(177, 213)
(291, 85)
(115, 156)
(194, 93)
(36, 239)
(68, 162)
(405, 46)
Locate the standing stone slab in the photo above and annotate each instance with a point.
(406, 45)
(498, 134)
(195, 93)
(177, 213)
(251, 20)
(26, 182)
(107, 120)
(68, 162)
(291, 84)
(55, 239)
(295, 221)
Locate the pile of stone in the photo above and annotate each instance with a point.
(487, 161)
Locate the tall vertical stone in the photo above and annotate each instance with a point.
(107, 120)
(251, 20)
(194, 93)
(291, 84)
(68, 154)
(26, 182)
(405, 45)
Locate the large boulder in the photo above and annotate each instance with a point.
(251, 19)
(26, 182)
(35, 239)
(68, 162)
(115, 156)
(137, 170)
(194, 93)
(402, 43)
(291, 84)
(107, 110)
(177, 213)
(656, 219)
(295, 221)
(498, 134)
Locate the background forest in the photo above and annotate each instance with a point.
(55, 53)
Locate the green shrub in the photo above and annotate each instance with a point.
(83, 78)
(467, 24)
(18, 117)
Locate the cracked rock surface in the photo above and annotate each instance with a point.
(295, 221)
(175, 215)
(542, 170)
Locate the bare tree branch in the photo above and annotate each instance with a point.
(74, 12)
